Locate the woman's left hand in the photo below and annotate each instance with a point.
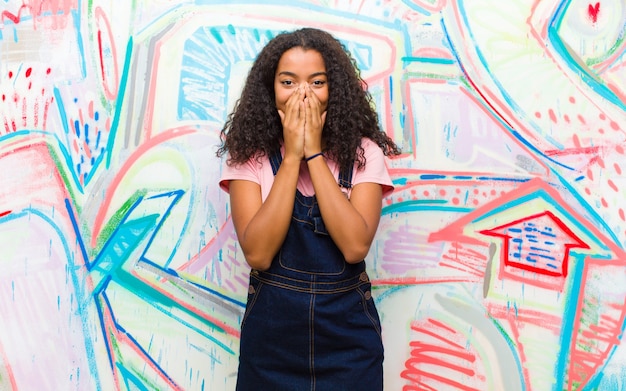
(314, 123)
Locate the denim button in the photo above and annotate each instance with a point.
(368, 295)
(363, 277)
(251, 290)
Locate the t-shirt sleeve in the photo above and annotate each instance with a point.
(376, 170)
(248, 171)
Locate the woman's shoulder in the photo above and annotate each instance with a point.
(371, 148)
(256, 169)
(367, 142)
(375, 169)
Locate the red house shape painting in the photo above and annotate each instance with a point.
(538, 243)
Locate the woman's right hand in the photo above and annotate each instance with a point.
(293, 120)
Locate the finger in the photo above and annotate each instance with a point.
(314, 102)
(291, 109)
(311, 94)
(294, 102)
(314, 116)
(302, 113)
(308, 112)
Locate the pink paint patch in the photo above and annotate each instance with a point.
(552, 115)
(35, 290)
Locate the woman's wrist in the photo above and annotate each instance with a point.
(306, 159)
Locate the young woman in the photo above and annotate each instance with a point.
(306, 175)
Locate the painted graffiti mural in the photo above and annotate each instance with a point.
(500, 261)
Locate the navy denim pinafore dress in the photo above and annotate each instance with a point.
(310, 321)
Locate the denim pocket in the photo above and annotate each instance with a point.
(367, 307)
(307, 251)
(254, 289)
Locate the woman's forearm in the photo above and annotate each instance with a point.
(351, 223)
(262, 226)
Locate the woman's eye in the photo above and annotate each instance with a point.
(287, 82)
(318, 83)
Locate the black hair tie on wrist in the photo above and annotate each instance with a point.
(313, 156)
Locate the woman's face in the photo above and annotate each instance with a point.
(298, 67)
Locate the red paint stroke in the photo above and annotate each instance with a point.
(104, 29)
(526, 316)
(5, 213)
(431, 6)
(574, 151)
(116, 340)
(592, 344)
(40, 183)
(15, 18)
(128, 165)
(564, 238)
(200, 311)
(408, 281)
(509, 115)
(433, 53)
(521, 353)
(201, 260)
(593, 11)
(38, 8)
(552, 115)
(7, 369)
(24, 111)
(437, 346)
(455, 231)
(464, 259)
(539, 33)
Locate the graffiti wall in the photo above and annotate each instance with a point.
(500, 260)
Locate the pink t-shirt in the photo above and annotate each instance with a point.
(260, 172)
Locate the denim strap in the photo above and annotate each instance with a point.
(345, 175)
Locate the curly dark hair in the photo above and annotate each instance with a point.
(254, 128)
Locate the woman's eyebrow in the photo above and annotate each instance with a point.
(291, 74)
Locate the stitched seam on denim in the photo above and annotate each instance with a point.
(312, 340)
(312, 201)
(367, 312)
(280, 260)
(312, 273)
(349, 280)
(312, 290)
(302, 221)
(249, 306)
